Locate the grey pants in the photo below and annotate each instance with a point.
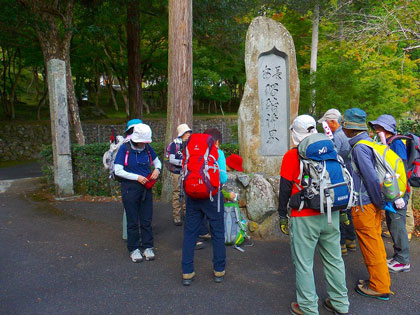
(397, 229)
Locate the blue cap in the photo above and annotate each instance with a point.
(355, 118)
(132, 122)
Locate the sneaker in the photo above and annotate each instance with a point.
(149, 254)
(396, 266)
(389, 260)
(219, 276)
(364, 290)
(136, 256)
(178, 222)
(344, 250)
(386, 234)
(351, 245)
(205, 236)
(199, 245)
(187, 278)
(330, 308)
(295, 309)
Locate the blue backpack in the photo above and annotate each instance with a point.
(325, 184)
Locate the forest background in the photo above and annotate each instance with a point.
(368, 54)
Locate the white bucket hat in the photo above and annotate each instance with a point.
(183, 128)
(302, 126)
(142, 133)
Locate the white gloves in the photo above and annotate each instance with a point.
(399, 203)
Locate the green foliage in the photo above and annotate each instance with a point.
(89, 174)
(408, 126)
(229, 148)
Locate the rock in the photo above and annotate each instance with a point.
(260, 199)
(244, 179)
(253, 226)
(275, 183)
(270, 229)
(261, 139)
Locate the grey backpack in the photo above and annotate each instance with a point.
(235, 225)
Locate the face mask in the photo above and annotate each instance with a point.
(295, 138)
(382, 136)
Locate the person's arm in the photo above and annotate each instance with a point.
(172, 156)
(222, 167)
(120, 172)
(364, 160)
(284, 195)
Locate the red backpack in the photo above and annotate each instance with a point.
(200, 169)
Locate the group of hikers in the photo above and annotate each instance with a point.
(333, 187)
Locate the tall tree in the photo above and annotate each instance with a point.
(52, 21)
(133, 53)
(314, 54)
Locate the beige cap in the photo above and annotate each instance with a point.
(331, 114)
(183, 128)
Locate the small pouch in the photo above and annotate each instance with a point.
(150, 183)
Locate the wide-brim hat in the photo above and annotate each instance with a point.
(355, 119)
(331, 114)
(387, 122)
(235, 161)
(182, 129)
(141, 133)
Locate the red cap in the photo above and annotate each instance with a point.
(235, 161)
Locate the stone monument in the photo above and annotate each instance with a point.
(63, 175)
(271, 96)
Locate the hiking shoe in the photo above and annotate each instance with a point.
(363, 282)
(205, 236)
(351, 245)
(187, 278)
(219, 276)
(149, 254)
(136, 256)
(330, 308)
(386, 234)
(178, 222)
(295, 309)
(396, 266)
(199, 245)
(344, 250)
(364, 290)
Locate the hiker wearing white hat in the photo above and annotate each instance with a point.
(133, 166)
(173, 162)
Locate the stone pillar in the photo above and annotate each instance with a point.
(271, 96)
(63, 175)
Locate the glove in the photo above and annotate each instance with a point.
(344, 218)
(399, 203)
(284, 225)
(389, 207)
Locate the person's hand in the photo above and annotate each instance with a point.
(284, 225)
(232, 196)
(142, 180)
(155, 174)
(399, 203)
(344, 218)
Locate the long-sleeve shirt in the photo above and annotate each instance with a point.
(138, 162)
(365, 178)
(222, 167)
(341, 142)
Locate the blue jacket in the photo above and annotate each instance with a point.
(342, 144)
(364, 159)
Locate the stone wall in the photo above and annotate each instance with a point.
(24, 141)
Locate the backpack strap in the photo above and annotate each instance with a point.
(150, 156)
(127, 152)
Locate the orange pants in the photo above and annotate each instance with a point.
(367, 224)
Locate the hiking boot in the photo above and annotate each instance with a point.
(330, 308)
(178, 222)
(199, 245)
(136, 256)
(396, 266)
(363, 282)
(363, 289)
(149, 254)
(351, 245)
(219, 276)
(205, 236)
(344, 250)
(187, 278)
(386, 234)
(295, 309)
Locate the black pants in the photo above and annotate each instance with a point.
(138, 205)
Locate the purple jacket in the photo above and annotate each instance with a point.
(364, 159)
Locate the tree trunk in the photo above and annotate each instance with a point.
(180, 88)
(134, 66)
(314, 56)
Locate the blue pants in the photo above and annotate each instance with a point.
(347, 231)
(138, 205)
(196, 210)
